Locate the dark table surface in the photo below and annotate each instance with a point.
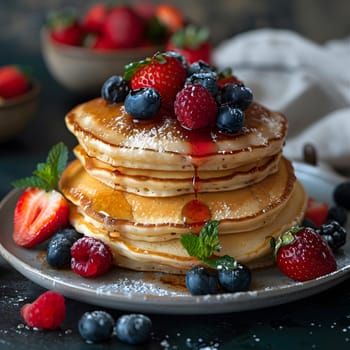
(318, 322)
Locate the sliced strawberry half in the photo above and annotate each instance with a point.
(38, 215)
(316, 211)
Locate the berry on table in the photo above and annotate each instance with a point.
(333, 233)
(302, 254)
(237, 279)
(143, 103)
(58, 250)
(96, 326)
(48, 311)
(199, 281)
(90, 257)
(195, 107)
(133, 328)
(115, 89)
(229, 119)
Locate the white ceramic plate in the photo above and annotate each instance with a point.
(160, 293)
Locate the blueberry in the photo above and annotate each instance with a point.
(341, 195)
(58, 250)
(229, 119)
(143, 103)
(200, 281)
(115, 89)
(133, 328)
(237, 95)
(334, 234)
(199, 67)
(235, 280)
(96, 326)
(337, 213)
(208, 79)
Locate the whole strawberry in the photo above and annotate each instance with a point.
(303, 255)
(124, 27)
(13, 81)
(195, 107)
(64, 28)
(192, 43)
(164, 73)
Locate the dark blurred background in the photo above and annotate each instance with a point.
(319, 20)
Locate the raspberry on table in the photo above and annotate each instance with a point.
(48, 311)
(90, 257)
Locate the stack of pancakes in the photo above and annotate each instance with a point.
(139, 185)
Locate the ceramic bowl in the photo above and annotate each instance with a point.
(84, 70)
(15, 113)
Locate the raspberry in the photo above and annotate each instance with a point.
(90, 257)
(195, 107)
(48, 311)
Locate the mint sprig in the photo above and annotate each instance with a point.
(47, 175)
(204, 246)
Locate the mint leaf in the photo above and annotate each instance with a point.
(47, 175)
(204, 245)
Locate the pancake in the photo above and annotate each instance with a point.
(251, 248)
(158, 183)
(161, 218)
(106, 132)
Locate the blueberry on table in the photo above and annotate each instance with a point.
(58, 250)
(229, 119)
(96, 326)
(199, 281)
(115, 89)
(143, 103)
(133, 328)
(235, 280)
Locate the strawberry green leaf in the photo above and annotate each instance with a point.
(131, 68)
(47, 175)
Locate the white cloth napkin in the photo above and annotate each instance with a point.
(309, 83)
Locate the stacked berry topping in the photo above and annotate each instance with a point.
(197, 93)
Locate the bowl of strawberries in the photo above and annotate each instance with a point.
(19, 99)
(81, 52)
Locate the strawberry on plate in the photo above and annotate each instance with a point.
(316, 211)
(13, 81)
(164, 73)
(41, 210)
(302, 254)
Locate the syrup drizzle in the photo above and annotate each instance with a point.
(195, 213)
